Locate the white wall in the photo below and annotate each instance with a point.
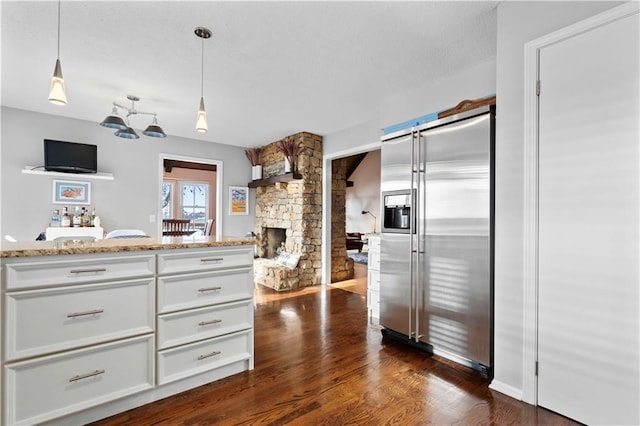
(426, 98)
(437, 95)
(125, 202)
(518, 23)
(351, 138)
(364, 195)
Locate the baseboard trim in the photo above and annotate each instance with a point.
(506, 389)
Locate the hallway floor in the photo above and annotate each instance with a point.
(357, 284)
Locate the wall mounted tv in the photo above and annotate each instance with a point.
(70, 157)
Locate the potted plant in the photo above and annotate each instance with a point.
(254, 155)
(291, 150)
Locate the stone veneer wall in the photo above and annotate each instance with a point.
(297, 207)
(341, 264)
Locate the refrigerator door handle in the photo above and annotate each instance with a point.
(412, 232)
(418, 213)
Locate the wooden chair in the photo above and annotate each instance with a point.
(176, 227)
(209, 227)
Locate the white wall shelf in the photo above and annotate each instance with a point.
(84, 231)
(33, 170)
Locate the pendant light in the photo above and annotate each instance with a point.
(124, 130)
(201, 120)
(114, 121)
(127, 133)
(57, 92)
(153, 130)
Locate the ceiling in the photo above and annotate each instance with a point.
(271, 68)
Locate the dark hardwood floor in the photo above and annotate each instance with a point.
(318, 363)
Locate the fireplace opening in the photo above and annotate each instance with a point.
(273, 239)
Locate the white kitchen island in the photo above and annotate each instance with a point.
(91, 329)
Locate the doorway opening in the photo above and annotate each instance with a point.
(190, 189)
(355, 204)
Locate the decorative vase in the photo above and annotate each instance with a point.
(256, 172)
(287, 165)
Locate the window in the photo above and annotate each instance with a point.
(195, 202)
(167, 200)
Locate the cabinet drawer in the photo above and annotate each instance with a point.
(188, 291)
(50, 387)
(374, 243)
(205, 260)
(374, 260)
(373, 280)
(184, 361)
(373, 303)
(44, 321)
(77, 271)
(203, 323)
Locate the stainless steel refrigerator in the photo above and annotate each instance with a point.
(436, 266)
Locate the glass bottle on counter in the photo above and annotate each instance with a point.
(77, 219)
(55, 219)
(65, 221)
(86, 220)
(92, 218)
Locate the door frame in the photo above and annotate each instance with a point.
(327, 171)
(531, 141)
(219, 173)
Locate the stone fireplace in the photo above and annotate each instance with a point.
(289, 211)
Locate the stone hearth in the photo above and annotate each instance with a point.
(296, 207)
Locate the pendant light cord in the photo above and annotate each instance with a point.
(58, 29)
(202, 71)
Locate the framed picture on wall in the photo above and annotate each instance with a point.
(238, 200)
(71, 192)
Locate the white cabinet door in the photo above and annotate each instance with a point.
(186, 360)
(189, 326)
(187, 291)
(50, 271)
(44, 321)
(588, 331)
(204, 260)
(48, 387)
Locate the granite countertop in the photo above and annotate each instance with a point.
(55, 248)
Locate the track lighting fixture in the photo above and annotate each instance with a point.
(57, 91)
(124, 130)
(201, 120)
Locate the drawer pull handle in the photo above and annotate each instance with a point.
(82, 314)
(86, 376)
(212, 259)
(88, 271)
(214, 353)
(216, 321)
(202, 290)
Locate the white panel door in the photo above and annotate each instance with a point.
(588, 311)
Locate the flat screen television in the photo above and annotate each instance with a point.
(70, 157)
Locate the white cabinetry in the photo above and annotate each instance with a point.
(48, 320)
(205, 311)
(47, 387)
(373, 280)
(76, 333)
(79, 331)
